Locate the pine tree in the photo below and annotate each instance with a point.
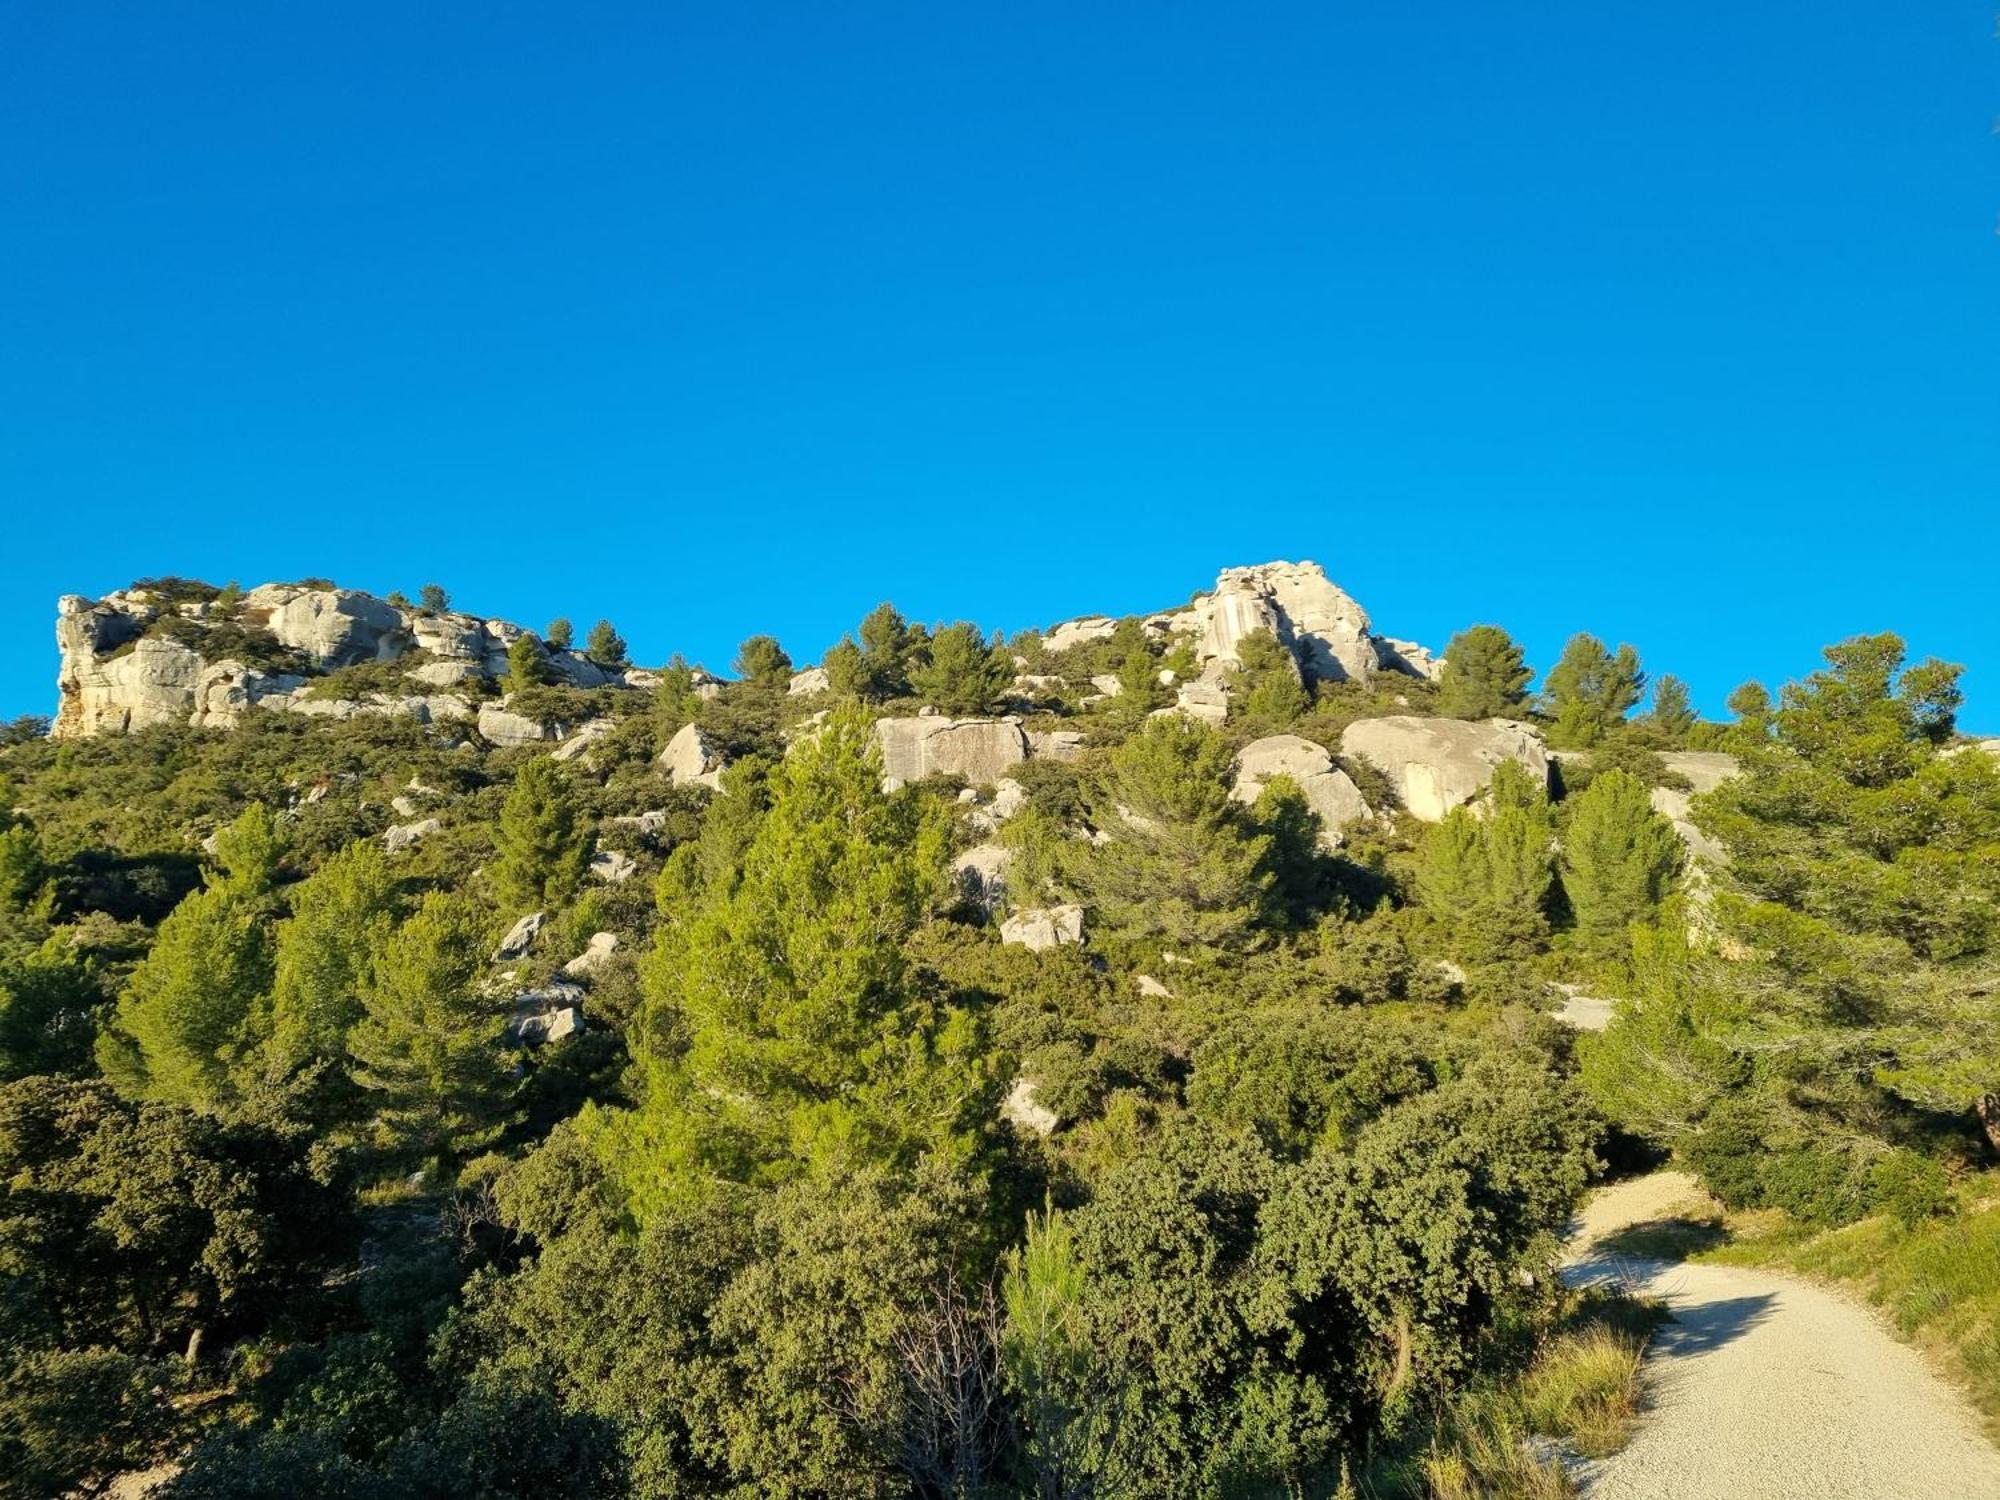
(427, 1045)
(1184, 862)
(1619, 858)
(803, 1032)
(1590, 690)
(886, 646)
(186, 1014)
(1273, 695)
(1139, 689)
(847, 669)
(674, 698)
(763, 661)
(432, 599)
(249, 851)
(1487, 881)
(1485, 675)
(544, 850)
(20, 864)
(1751, 703)
(527, 663)
(559, 634)
(606, 647)
(341, 916)
(1672, 713)
(962, 673)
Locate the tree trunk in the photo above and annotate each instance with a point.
(193, 1348)
(1987, 1108)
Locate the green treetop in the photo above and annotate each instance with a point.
(341, 916)
(1184, 862)
(1672, 713)
(763, 661)
(606, 647)
(544, 848)
(962, 673)
(427, 1045)
(1485, 675)
(184, 1022)
(559, 634)
(527, 662)
(1590, 690)
(1619, 858)
(1273, 695)
(249, 852)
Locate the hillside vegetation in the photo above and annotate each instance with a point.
(385, 1110)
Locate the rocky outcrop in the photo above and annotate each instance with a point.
(521, 936)
(1329, 791)
(981, 873)
(504, 729)
(1042, 928)
(1079, 632)
(547, 1014)
(1327, 632)
(1705, 770)
(809, 683)
(1025, 1112)
(408, 835)
(613, 866)
(1438, 764)
(137, 658)
(596, 954)
(693, 759)
(979, 750)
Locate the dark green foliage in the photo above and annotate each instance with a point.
(887, 647)
(1619, 858)
(1672, 714)
(543, 847)
(72, 1420)
(1486, 881)
(961, 673)
(340, 922)
(527, 663)
(1590, 690)
(1183, 863)
(432, 599)
(560, 634)
(1271, 691)
(606, 647)
(1485, 675)
(761, 660)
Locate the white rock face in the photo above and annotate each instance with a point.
(809, 682)
(981, 872)
(586, 736)
(613, 866)
(1707, 770)
(1409, 658)
(693, 759)
(521, 936)
(506, 730)
(1439, 764)
(596, 954)
(1057, 744)
(407, 835)
(1079, 632)
(1328, 790)
(1327, 631)
(546, 1015)
(333, 627)
(1042, 928)
(980, 750)
(1023, 1111)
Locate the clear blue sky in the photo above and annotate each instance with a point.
(1678, 323)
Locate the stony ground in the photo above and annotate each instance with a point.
(1766, 1388)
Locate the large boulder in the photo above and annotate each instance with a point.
(408, 835)
(1079, 632)
(1042, 928)
(596, 954)
(979, 750)
(1438, 764)
(693, 759)
(1328, 632)
(138, 684)
(981, 873)
(521, 936)
(809, 683)
(226, 690)
(1705, 770)
(1328, 790)
(331, 627)
(504, 729)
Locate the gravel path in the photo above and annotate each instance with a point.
(1766, 1388)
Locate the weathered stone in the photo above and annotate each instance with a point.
(1009, 797)
(331, 627)
(444, 674)
(1024, 1112)
(1079, 632)
(1329, 791)
(1438, 764)
(613, 865)
(1706, 770)
(406, 835)
(1409, 658)
(587, 735)
(1058, 744)
(1151, 988)
(981, 872)
(226, 690)
(693, 759)
(979, 750)
(596, 954)
(1581, 1011)
(521, 936)
(501, 727)
(1107, 684)
(811, 681)
(1041, 928)
(547, 1014)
